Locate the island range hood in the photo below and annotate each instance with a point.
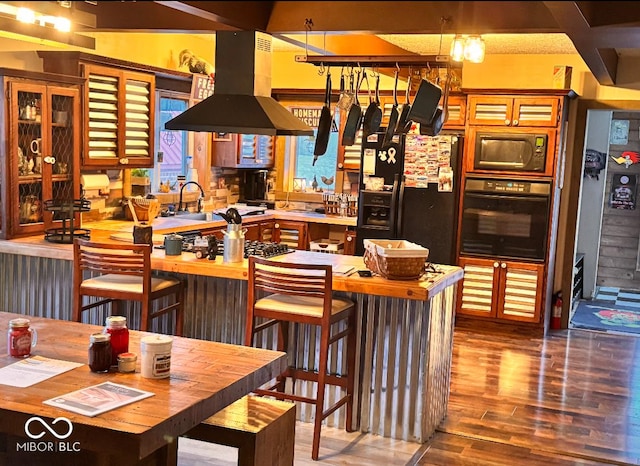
(241, 101)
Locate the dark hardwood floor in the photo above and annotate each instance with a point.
(572, 398)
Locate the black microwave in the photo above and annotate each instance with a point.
(514, 152)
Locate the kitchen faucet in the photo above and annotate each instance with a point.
(200, 199)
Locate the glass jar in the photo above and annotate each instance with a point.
(116, 326)
(100, 352)
(21, 338)
(127, 362)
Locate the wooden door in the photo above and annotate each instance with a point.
(293, 234)
(521, 291)
(478, 292)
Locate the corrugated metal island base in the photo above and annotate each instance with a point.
(405, 336)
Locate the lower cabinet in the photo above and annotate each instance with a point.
(349, 242)
(291, 233)
(500, 289)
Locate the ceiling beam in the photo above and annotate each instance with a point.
(247, 16)
(603, 62)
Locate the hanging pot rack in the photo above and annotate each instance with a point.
(380, 61)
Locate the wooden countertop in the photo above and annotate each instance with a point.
(428, 285)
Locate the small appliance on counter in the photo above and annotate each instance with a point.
(254, 186)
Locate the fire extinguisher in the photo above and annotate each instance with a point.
(556, 315)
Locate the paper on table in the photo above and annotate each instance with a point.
(30, 371)
(98, 399)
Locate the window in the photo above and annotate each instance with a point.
(310, 177)
(172, 151)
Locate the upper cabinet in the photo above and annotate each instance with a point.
(119, 123)
(457, 107)
(242, 150)
(118, 108)
(503, 110)
(38, 179)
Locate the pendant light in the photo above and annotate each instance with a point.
(467, 47)
(457, 48)
(474, 49)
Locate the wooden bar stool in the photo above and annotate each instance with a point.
(122, 272)
(280, 293)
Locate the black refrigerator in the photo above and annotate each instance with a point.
(420, 195)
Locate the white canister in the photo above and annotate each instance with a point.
(156, 356)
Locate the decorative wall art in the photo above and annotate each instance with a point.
(628, 158)
(623, 192)
(619, 132)
(594, 162)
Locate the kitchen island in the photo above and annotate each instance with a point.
(404, 337)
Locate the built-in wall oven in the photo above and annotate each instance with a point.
(505, 218)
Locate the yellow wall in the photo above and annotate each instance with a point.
(497, 71)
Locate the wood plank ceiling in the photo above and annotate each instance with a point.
(603, 33)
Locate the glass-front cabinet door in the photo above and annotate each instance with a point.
(44, 144)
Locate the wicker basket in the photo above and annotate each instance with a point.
(395, 259)
(146, 209)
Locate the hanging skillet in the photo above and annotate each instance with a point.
(324, 125)
(373, 115)
(404, 124)
(393, 117)
(441, 115)
(354, 118)
(425, 103)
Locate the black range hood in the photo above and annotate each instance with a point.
(241, 101)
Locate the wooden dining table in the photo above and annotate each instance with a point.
(205, 377)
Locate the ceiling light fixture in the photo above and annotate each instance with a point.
(466, 47)
(26, 15)
(51, 22)
(470, 48)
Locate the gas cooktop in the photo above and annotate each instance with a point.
(251, 248)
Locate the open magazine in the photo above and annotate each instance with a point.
(98, 399)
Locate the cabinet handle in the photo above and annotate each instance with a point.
(276, 225)
(503, 265)
(349, 238)
(124, 161)
(496, 265)
(507, 122)
(515, 122)
(50, 159)
(340, 165)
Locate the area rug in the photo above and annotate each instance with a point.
(606, 316)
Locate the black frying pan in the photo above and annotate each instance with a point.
(440, 117)
(425, 103)
(393, 117)
(404, 124)
(373, 115)
(324, 125)
(354, 118)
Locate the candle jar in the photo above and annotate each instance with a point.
(21, 338)
(100, 352)
(156, 356)
(116, 326)
(127, 362)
